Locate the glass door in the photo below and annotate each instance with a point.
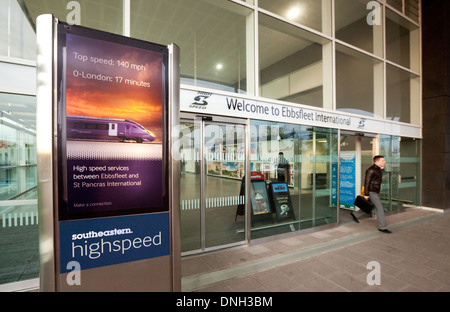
(190, 184)
(224, 170)
(213, 166)
(401, 178)
(356, 154)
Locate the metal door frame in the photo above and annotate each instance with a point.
(202, 120)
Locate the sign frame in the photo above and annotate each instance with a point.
(93, 37)
(219, 103)
(132, 274)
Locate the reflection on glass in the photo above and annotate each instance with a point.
(309, 156)
(18, 189)
(17, 161)
(224, 155)
(212, 198)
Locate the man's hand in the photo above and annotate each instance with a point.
(367, 197)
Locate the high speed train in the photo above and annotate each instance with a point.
(106, 129)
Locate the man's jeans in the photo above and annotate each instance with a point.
(375, 199)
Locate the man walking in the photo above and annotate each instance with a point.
(372, 186)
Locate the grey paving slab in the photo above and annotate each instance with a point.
(416, 257)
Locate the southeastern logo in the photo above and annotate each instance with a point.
(200, 101)
(362, 123)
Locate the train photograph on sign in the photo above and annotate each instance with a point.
(107, 129)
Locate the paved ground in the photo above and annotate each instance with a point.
(415, 257)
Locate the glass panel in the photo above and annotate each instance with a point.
(396, 4)
(224, 152)
(403, 95)
(352, 25)
(18, 38)
(325, 159)
(19, 256)
(18, 79)
(190, 185)
(401, 180)
(367, 154)
(409, 178)
(306, 157)
(389, 148)
(315, 14)
(18, 158)
(19, 240)
(106, 15)
(402, 41)
(215, 38)
(295, 65)
(412, 9)
(359, 83)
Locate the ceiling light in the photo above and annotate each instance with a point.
(293, 13)
(219, 66)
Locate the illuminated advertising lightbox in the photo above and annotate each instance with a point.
(111, 124)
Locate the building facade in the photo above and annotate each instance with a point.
(300, 92)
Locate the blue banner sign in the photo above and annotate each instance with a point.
(106, 241)
(348, 179)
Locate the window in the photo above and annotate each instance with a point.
(408, 7)
(396, 4)
(215, 38)
(402, 95)
(18, 39)
(359, 83)
(352, 26)
(307, 164)
(412, 9)
(295, 65)
(402, 41)
(315, 14)
(18, 189)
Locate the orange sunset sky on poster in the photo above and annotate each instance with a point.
(113, 95)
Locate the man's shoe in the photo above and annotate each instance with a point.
(385, 231)
(354, 218)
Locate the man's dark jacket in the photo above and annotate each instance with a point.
(373, 180)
